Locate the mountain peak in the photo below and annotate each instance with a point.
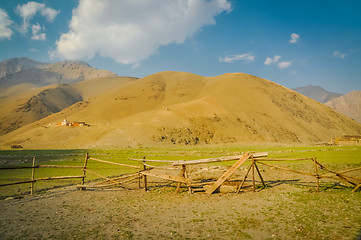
(13, 65)
(317, 93)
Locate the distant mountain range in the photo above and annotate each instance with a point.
(349, 104)
(14, 65)
(317, 93)
(24, 70)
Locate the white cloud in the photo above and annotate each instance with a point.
(246, 57)
(339, 54)
(37, 32)
(275, 59)
(283, 65)
(130, 31)
(29, 10)
(5, 23)
(294, 38)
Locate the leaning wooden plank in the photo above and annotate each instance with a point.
(220, 159)
(168, 177)
(228, 173)
(119, 164)
(357, 187)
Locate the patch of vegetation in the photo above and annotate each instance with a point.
(335, 157)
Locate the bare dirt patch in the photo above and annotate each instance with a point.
(285, 210)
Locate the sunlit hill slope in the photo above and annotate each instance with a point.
(186, 109)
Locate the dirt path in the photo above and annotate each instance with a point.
(283, 211)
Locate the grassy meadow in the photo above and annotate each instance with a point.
(334, 157)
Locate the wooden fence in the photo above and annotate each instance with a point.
(108, 182)
(33, 180)
(144, 171)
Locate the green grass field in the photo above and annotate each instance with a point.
(335, 157)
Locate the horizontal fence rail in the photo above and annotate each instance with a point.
(143, 170)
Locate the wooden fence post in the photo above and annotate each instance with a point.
(145, 176)
(253, 180)
(32, 177)
(316, 173)
(84, 170)
(259, 174)
(244, 179)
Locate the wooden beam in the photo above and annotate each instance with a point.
(220, 159)
(317, 176)
(287, 169)
(357, 187)
(19, 167)
(341, 176)
(168, 177)
(244, 179)
(119, 164)
(150, 160)
(32, 177)
(228, 173)
(280, 159)
(106, 185)
(84, 167)
(99, 175)
(56, 178)
(15, 183)
(58, 166)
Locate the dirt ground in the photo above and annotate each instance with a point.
(284, 210)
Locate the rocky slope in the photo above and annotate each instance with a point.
(14, 65)
(27, 71)
(349, 104)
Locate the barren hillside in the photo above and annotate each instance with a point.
(183, 108)
(25, 103)
(349, 104)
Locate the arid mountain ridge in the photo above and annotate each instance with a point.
(163, 108)
(24, 70)
(349, 104)
(317, 93)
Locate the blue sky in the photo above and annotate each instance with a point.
(205, 37)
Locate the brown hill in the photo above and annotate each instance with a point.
(183, 108)
(349, 104)
(24, 103)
